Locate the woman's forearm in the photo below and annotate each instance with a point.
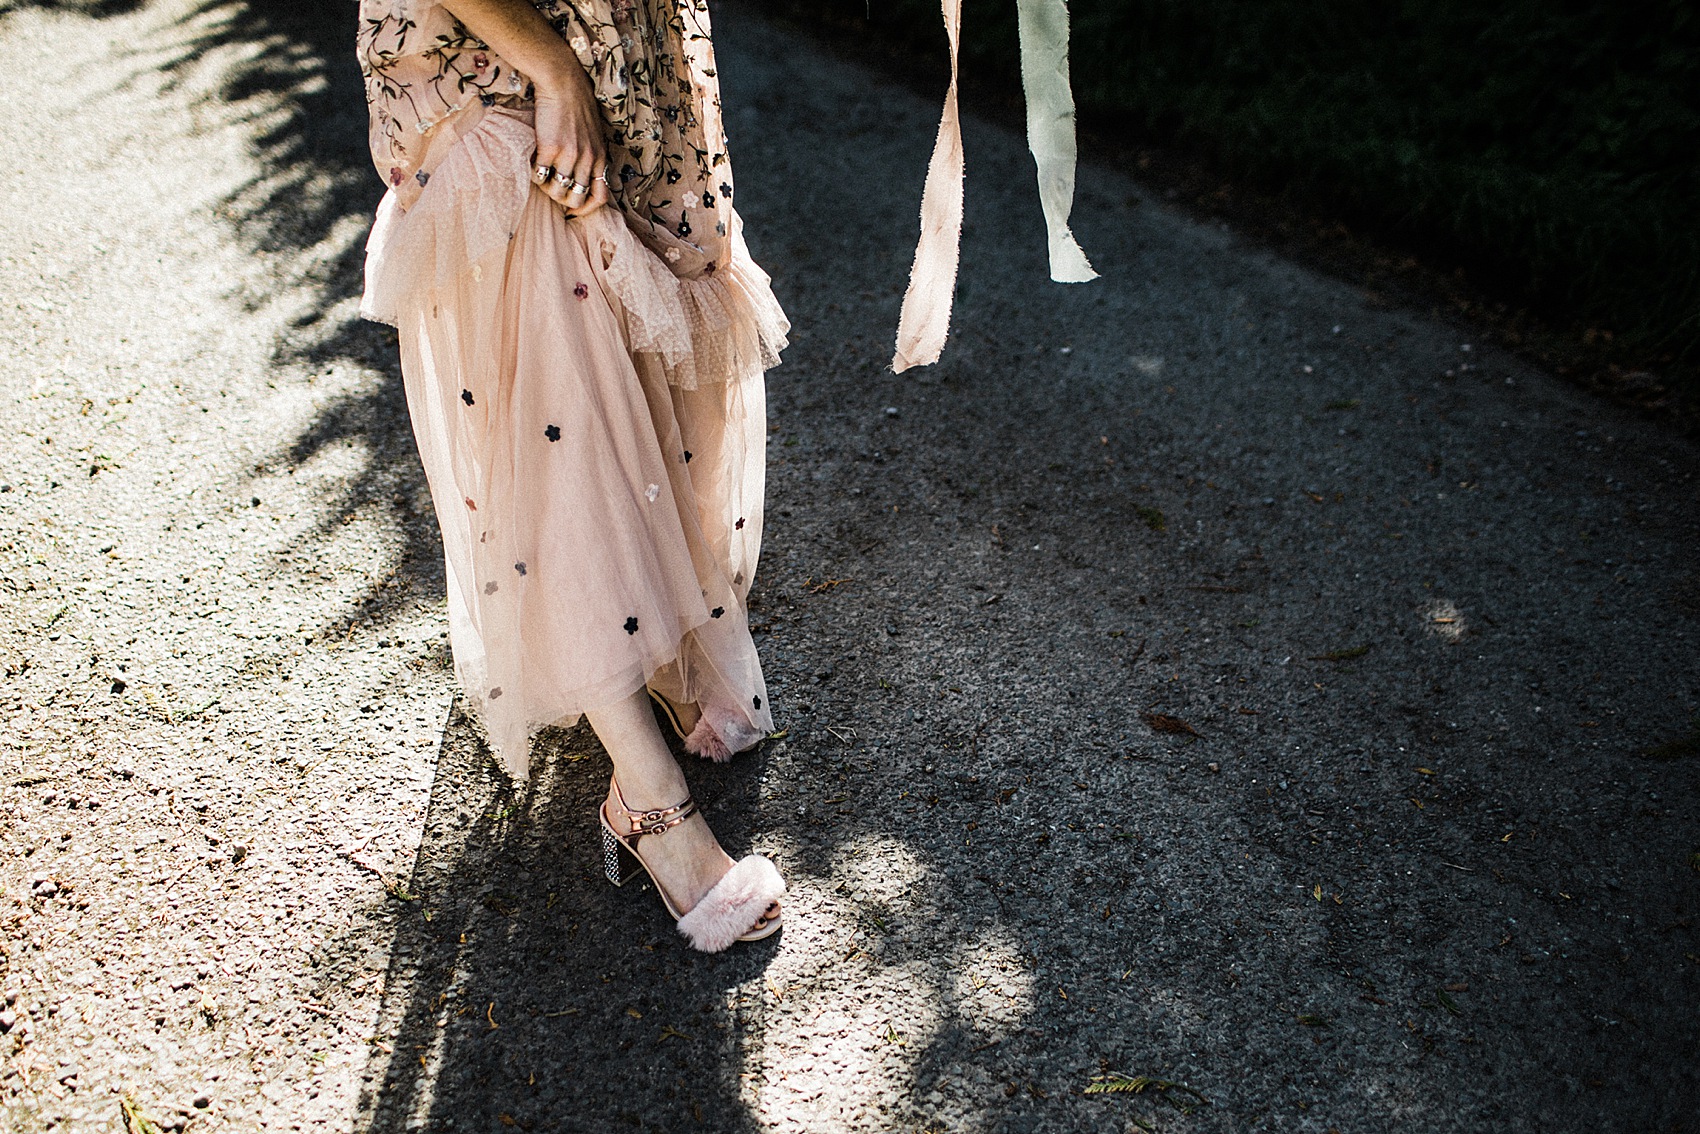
(516, 32)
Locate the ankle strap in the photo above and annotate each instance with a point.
(657, 820)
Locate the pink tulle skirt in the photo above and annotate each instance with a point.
(592, 429)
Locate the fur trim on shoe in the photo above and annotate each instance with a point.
(706, 742)
(729, 910)
(733, 728)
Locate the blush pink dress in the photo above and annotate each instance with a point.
(586, 394)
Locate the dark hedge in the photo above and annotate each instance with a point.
(1555, 146)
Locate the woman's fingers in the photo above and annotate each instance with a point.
(589, 174)
(599, 191)
(560, 175)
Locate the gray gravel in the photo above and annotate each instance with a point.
(1201, 674)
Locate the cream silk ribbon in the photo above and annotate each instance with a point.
(925, 322)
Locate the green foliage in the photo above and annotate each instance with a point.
(1554, 144)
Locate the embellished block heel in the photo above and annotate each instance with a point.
(611, 864)
(742, 906)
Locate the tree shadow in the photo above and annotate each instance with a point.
(971, 796)
(496, 1004)
(518, 978)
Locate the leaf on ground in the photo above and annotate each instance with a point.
(135, 1122)
(1348, 654)
(1153, 517)
(1178, 1095)
(1162, 722)
(1310, 1021)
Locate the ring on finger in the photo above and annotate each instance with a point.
(577, 190)
(543, 172)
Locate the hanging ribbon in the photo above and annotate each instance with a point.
(925, 321)
(1050, 129)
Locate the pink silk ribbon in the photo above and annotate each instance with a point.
(925, 322)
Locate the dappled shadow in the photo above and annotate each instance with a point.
(519, 979)
(497, 991)
(99, 9)
(304, 215)
(985, 586)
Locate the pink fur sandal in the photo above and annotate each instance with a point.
(742, 906)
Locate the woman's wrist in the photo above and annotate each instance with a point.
(561, 81)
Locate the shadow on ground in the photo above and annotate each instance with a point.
(1280, 731)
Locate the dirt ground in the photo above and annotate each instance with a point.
(1211, 701)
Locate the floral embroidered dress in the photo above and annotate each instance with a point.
(586, 393)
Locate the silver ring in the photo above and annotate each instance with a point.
(542, 172)
(563, 175)
(602, 177)
(575, 188)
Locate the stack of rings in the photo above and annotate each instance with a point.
(544, 173)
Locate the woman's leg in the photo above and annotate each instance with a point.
(687, 859)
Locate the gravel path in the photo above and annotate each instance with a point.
(1202, 674)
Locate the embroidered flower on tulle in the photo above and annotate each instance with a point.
(466, 396)
(708, 200)
(673, 175)
(480, 60)
(552, 432)
(520, 567)
(756, 702)
(684, 228)
(687, 456)
(631, 625)
(579, 44)
(691, 201)
(717, 612)
(739, 526)
(491, 588)
(581, 291)
(470, 504)
(708, 268)
(672, 255)
(397, 176)
(652, 492)
(726, 190)
(495, 692)
(422, 177)
(720, 227)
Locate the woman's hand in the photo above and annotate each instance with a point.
(571, 163)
